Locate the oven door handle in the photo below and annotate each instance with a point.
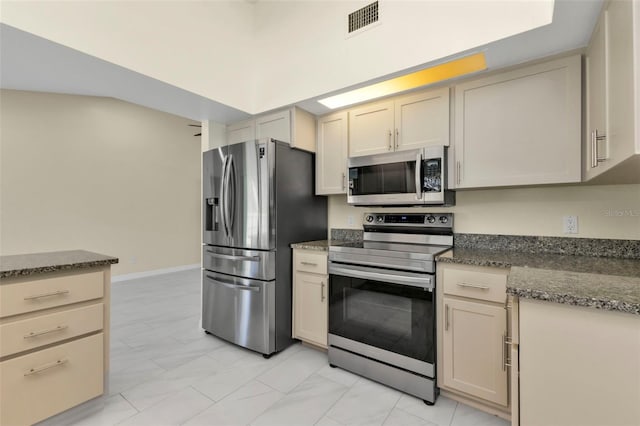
(425, 282)
(418, 176)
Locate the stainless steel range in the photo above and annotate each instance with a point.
(382, 300)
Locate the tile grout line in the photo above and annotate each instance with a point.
(453, 415)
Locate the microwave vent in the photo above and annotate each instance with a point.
(363, 17)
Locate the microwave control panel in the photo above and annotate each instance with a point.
(432, 175)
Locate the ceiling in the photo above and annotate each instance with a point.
(29, 62)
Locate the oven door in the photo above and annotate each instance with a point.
(383, 314)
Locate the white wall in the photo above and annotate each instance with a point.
(268, 54)
(318, 57)
(81, 172)
(603, 211)
(200, 46)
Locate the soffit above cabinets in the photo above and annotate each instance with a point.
(275, 58)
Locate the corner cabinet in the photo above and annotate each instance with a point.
(520, 127)
(406, 122)
(612, 136)
(473, 335)
(578, 365)
(331, 154)
(310, 293)
(294, 126)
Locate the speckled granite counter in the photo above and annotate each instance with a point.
(320, 245)
(599, 282)
(39, 263)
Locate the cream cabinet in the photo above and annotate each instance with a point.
(54, 342)
(401, 123)
(310, 293)
(241, 131)
(472, 333)
(293, 125)
(331, 154)
(521, 127)
(612, 136)
(578, 366)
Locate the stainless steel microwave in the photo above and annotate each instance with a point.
(414, 177)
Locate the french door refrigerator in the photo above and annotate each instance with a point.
(258, 199)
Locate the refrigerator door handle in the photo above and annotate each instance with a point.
(223, 197)
(232, 257)
(231, 188)
(234, 286)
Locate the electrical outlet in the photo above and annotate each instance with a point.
(350, 220)
(570, 224)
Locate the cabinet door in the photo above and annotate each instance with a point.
(622, 114)
(371, 129)
(331, 155)
(422, 119)
(241, 131)
(310, 308)
(521, 127)
(276, 126)
(596, 77)
(474, 350)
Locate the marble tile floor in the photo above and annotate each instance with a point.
(166, 371)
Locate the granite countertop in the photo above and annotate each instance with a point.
(320, 245)
(39, 263)
(599, 282)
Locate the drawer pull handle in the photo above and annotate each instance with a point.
(40, 333)
(55, 293)
(37, 370)
(232, 257)
(309, 263)
(481, 287)
(322, 291)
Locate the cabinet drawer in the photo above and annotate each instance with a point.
(307, 261)
(47, 382)
(475, 284)
(35, 332)
(29, 296)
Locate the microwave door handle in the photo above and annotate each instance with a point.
(419, 176)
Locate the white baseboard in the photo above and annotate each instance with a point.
(135, 275)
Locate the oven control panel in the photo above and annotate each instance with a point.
(439, 220)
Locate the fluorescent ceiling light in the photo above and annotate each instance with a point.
(451, 69)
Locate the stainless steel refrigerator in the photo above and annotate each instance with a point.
(258, 199)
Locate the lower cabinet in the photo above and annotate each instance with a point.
(578, 365)
(473, 336)
(310, 292)
(474, 349)
(54, 342)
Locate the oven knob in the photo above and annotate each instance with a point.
(444, 219)
(431, 219)
(379, 219)
(369, 218)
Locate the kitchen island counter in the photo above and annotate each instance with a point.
(38, 263)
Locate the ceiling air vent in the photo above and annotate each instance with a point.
(363, 17)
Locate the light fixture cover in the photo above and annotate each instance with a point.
(434, 74)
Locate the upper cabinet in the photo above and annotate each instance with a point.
(275, 126)
(331, 154)
(405, 122)
(241, 131)
(611, 144)
(294, 126)
(521, 127)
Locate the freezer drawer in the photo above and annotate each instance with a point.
(260, 265)
(239, 310)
